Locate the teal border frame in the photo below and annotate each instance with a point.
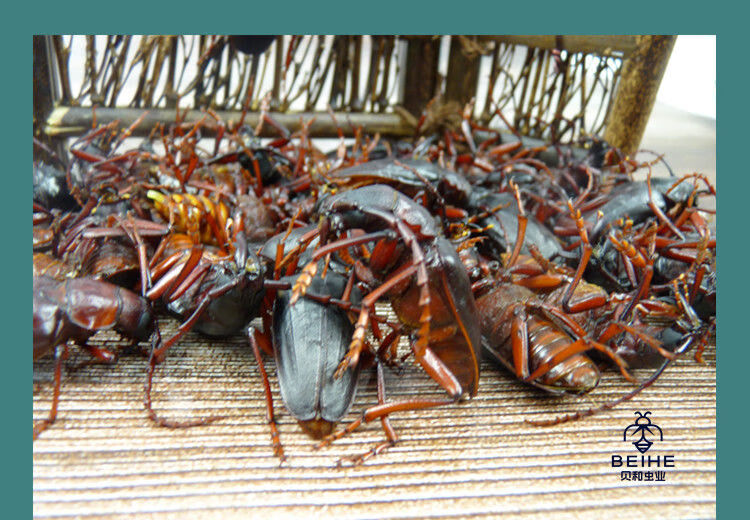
(381, 17)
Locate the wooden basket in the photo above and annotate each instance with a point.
(552, 87)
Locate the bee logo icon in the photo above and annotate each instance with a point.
(646, 429)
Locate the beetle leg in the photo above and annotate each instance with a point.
(99, 355)
(193, 279)
(310, 270)
(381, 410)
(585, 256)
(703, 341)
(519, 333)
(147, 401)
(657, 211)
(360, 329)
(60, 353)
(142, 260)
(278, 449)
(383, 254)
(521, 232)
(438, 371)
(388, 349)
(423, 333)
(303, 281)
(298, 249)
(645, 338)
(174, 277)
(390, 433)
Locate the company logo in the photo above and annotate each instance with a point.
(642, 432)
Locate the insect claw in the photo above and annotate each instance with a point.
(282, 458)
(350, 461)
(342, 368)
(327, 440)
(352, 357)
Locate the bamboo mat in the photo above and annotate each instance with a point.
(104, 458)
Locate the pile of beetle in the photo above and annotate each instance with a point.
(551, 260)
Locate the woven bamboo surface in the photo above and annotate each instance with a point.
(104, 458)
